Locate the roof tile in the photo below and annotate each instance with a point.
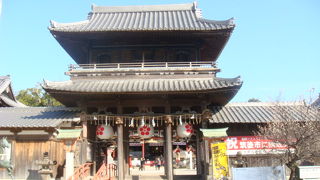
(143, 85)
(143, 18)
(36, 116)
(260, 112)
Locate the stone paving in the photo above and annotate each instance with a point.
(150, 173)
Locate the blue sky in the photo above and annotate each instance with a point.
(275, 47)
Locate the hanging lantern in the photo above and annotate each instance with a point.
(184, 130)
(104, 132)
(145, 131)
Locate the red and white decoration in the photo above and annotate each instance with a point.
(184, 130)
(104, 132)
(145, 131)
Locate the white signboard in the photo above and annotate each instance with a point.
(309, 172)
(259, 173)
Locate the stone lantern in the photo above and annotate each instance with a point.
(45, 171)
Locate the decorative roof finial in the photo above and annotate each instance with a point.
(195, 5)
(53, 23)
(93, 6)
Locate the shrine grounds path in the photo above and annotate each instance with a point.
(150, 173)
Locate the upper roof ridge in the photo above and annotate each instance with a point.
(143, 8)
(293, 103)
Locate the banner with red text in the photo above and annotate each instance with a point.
(248, 145)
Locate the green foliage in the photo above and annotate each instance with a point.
(36, 97)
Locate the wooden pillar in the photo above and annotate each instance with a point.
(169, 162)
(126, 150)
(206, 159)
(206, 115)
(165, 150)
(120, 152)
(165, 153)
(198, 155)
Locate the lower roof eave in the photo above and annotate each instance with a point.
(54, 91)
(69, 98)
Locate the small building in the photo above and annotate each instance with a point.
(31, 132)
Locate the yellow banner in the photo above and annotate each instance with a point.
(219, 160)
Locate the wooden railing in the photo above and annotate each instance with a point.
(82, 172)
(106, 172)
(200, 64)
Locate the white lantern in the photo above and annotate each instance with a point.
(145, 131)
(184, 130)
(104, 132)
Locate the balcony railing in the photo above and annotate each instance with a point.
(201, 64)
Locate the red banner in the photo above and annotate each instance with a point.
(251, 145)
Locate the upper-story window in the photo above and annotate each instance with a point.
(183, 55)
(103, 58)
(143, 54)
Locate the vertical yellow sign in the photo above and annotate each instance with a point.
(219, 160)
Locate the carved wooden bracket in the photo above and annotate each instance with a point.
(168, 119)
(206, 114)
(69, 145)
(119, 120)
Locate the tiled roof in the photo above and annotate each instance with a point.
(11, 103)
(36, 117)
(217, 132)
(316, 103)
(4, 83)
(174, 17)
(69, 133)
(6, 97)
(143, 85)
(261, 112)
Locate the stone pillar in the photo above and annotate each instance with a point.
(190, 154)
(119, 122)
(69, 164)
(84, 129)
(169, 162)
(69, 146)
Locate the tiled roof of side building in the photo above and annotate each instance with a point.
(261, 112)
(7, 97)
(174, 17)
(36, 117)
(316, 103)
(143, 85)
(4, 83)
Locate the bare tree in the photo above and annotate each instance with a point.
(297, 128)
